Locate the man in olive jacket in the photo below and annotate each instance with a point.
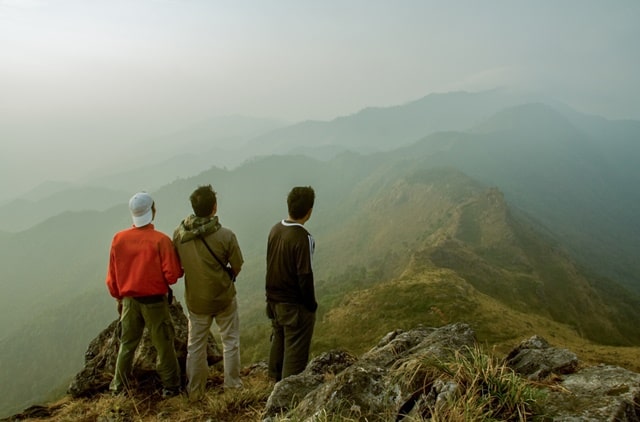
(209, 252)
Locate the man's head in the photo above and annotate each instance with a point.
(203, 201)
(142, 209)
(300, 201)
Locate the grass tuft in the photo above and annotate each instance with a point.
(473, 385)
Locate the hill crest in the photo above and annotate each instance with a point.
(467, 231)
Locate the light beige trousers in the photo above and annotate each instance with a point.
(197, 368)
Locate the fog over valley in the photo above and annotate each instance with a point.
(477, 159)
(94, 86)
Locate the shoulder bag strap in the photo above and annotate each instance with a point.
(224, 267)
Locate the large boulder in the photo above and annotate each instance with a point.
(368, 388)
(535, 359)
(101, 355)
(596, 393)
(289, 393)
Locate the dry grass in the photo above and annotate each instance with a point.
(480, 388)
(246, 404)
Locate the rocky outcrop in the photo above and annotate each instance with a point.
(536, 359)
(595, 393)
(408, 375)
(370, 388)
(101, 355)
(381, 385)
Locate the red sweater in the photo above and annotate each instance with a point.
(142, 262)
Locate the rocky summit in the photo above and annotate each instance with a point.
(382, 384)
(409, 375)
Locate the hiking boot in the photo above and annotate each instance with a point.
(170, 392)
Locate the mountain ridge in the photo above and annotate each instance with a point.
(385, 128)
(23, 213)
(483, 243)
(555, 175)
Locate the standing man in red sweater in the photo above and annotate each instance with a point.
(142, 265)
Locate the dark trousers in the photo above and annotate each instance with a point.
(291, 338)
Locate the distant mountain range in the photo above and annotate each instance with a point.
(386, 128)
(518, 216)
(21, 214)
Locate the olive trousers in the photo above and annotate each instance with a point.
(156, 317)
(292, 329)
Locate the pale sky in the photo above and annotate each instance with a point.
(76, 75)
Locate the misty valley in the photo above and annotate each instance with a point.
(515, 216)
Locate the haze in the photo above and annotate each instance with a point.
(84, 83)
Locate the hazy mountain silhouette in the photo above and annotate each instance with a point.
(385, 128)
(20, 214)
(152, 163)
(46, 189)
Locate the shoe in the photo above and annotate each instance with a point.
(195, 398)
(170, 392)
(116, 393)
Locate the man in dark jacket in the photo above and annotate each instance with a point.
(211, 259)
(291, 302)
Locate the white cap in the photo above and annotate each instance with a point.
(140, 206)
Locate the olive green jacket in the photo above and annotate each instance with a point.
(208, 288)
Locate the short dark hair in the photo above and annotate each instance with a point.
(300, 201)
(203, 200)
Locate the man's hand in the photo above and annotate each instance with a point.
(120, 307)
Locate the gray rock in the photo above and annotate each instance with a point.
(596, 393)
(288, 392)
(383, 385)
(367, 389)
(536, 359)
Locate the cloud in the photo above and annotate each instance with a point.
(20, 4)
(501, 76)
